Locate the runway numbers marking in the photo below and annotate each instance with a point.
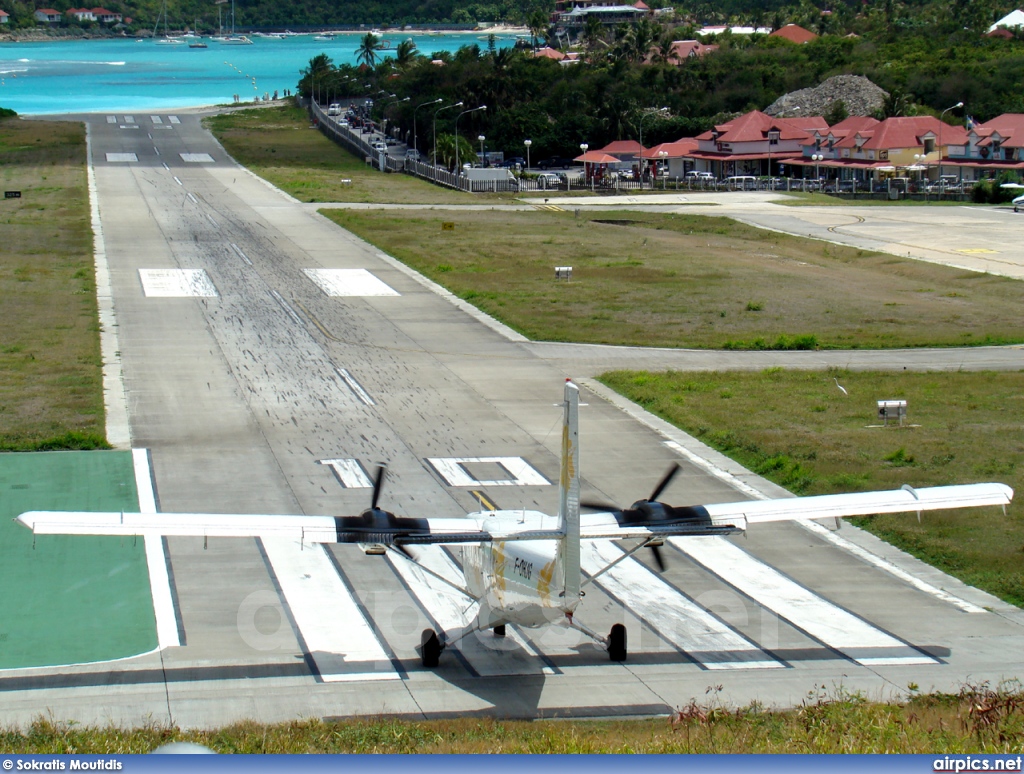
(349, 282)
(503, 471)
(122, 157)
(349, 472)
(177, 283)
(979, 250)
(196, 158)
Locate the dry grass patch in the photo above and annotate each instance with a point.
(979, 719)
(50, 369)
(280, 145)
(690, 281)
(797, 429)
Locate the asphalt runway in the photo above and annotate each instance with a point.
(268, 361)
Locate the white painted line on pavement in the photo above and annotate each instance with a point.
(683, 623)
(156, 559)
(336, 634)
(817, 617)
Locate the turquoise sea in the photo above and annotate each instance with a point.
(88, 76)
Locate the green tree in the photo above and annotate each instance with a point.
(405, 54)
(366, 53)
(446, 153)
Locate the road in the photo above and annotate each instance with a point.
(269, 361)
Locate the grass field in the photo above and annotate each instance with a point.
(797, 429)
(980, 719)
(661, 280)
(280, 144)
(50, 369)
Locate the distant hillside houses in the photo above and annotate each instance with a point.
(1012, 21)
(859, 148)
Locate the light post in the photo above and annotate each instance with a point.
(483, 159)
(458, 168)
(650, 112)
(662, 156)
(773, 139)
(415, 143)
(445, 107)
(527, 143)
(951, 107)
(583, 149)
(817, 157)
(921, 159)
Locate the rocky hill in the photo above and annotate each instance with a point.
(860, 96)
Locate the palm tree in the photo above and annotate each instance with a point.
(446, 150)
(538, 23)
(318, 66)
(593, 33)
(369, 45)
(405, 54)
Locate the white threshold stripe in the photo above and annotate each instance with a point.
(336, 634)
(156, 558)
(817, 617)
(681, 622)
(826, 534)
(489, 655)
(873, 559)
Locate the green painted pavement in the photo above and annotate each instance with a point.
(70, 599)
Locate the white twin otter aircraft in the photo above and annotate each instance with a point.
(523, 567)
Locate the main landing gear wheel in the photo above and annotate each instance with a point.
(617, 643)
(430, 648)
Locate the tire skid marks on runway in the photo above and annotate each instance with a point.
(820, 619)
(452, 611)
(337, 635)
(678, 620)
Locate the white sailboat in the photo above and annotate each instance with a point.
(233, 39)
(166, 40)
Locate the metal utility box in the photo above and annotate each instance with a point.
(892, 409)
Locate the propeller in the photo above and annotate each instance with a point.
(375, 525)
(652, 513)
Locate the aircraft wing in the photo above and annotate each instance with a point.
(309, 529)
(723, 518)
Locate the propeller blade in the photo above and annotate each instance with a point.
(664, 482)
(377, 482)
(658, 558)
(593, 505)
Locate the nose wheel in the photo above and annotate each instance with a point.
(430, 648)
(617, 643)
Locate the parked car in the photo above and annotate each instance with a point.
(554, 162)
(548, 180)
(695, 175)
(412, 155)
(513, 163)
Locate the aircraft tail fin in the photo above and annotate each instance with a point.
(569, 497)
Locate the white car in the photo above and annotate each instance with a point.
(412, 155)
(548, 180)
(380, 147)
(334, 110)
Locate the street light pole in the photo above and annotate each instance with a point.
(445, 107)
(527, 143)
(458, 167)
(817, 157)
(415, 144)
(583, 149)
(483, 160)
(650, 112)
(951, 107)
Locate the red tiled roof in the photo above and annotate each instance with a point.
(754, 126)
(781, 157)
(549, 53)
(1009, 125)
(624, 147)
(794, 33)
(641, 5)
(675, 150)
(906, 132)
(596, 157)
(682, 50)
